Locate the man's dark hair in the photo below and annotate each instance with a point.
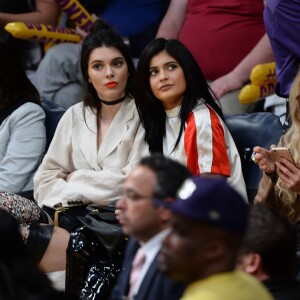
(170, 174)
(273, 237)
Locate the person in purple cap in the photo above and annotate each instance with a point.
(208, 223)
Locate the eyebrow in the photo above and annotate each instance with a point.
(165, 64)
(114, 59)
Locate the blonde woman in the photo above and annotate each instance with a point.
(280, 184)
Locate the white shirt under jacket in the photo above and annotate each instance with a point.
(97, 175)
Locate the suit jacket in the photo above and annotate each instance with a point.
(155, 285)
(22, 146)
(97, 174)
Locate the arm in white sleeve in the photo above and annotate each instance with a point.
(105, 186)
(50, 178)
(100, 183)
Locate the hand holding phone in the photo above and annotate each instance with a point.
(279, 152)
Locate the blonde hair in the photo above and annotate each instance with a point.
(292, 141)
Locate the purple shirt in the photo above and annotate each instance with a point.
(282, 21)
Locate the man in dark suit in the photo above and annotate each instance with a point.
(156, 178)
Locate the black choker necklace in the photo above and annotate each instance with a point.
(112, 102)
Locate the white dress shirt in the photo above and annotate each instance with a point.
(151, 249)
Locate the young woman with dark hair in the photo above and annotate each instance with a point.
(179, 113)
(22, 130)
(99, 140)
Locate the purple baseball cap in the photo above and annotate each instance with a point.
(212, 201)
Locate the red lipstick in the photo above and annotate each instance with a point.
(111, 84)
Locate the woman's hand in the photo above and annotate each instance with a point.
(289, 173)
(263, 159)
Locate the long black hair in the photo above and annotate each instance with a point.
(102, 35)
(151, 109)
(14, 83)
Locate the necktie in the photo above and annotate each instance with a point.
(137, 266)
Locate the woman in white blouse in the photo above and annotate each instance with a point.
(97, 142)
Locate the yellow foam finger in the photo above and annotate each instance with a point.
(77, 13)
(263, 74)
(42, 33)
(251, 93)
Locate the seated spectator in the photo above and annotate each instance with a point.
(282, 25)
(22, 130)
(268, 252)
(180, 116)
(279, 187)
(208, 223)
(98, 141)
(58, 77)
(147, 224)
(19, 276)
(96, 144)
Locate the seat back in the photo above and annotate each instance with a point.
(53, 114)
(249, 130)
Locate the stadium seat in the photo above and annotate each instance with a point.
(53, 114)
(249, 130)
